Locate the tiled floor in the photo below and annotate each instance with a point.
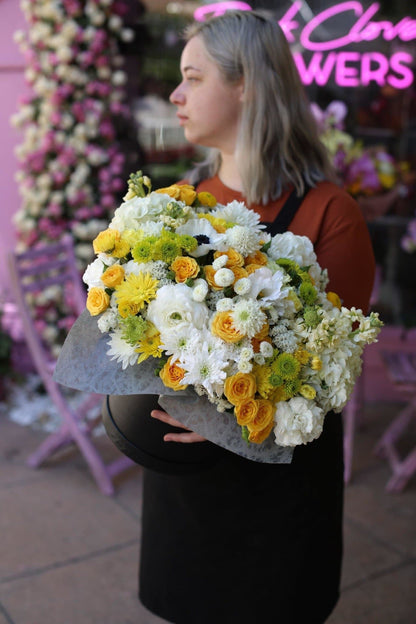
(68, 554)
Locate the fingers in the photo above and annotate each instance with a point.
(185, 438)
(164, 417)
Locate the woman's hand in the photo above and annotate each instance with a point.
(176, 437)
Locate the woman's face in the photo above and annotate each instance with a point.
(208, 107)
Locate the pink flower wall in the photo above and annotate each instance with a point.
(11, 88)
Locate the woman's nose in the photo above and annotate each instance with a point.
(177, 96)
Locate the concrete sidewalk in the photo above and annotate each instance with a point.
(69, 555)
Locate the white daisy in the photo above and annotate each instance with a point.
(121, 351)
(205, 366)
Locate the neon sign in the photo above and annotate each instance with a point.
(349, 68)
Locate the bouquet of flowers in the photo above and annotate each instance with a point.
(221, 307)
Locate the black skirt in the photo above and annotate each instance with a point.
(242, 542)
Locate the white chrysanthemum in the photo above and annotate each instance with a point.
(237, 212)
(244, 366)
(201, 229)
(205, 366)
(246, 353)
(121, 351)
(174, 306)
(242, 286)
(108, 320)
(296, 248)
(93, 273)
(266, 349)
(199, 290)
(248, 317)
(224, 277)
(243, 239)
(177, 343)
(225, 304)
(220, 262)
(298, 421)
(259, 359)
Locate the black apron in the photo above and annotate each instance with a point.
(241, 542)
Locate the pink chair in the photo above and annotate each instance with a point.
(352, 410)
(31, 272)
(401, 367)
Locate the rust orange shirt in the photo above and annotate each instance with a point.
(333, 221)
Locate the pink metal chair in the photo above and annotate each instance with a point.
(352, 410)
(401, 367)
(31, 272)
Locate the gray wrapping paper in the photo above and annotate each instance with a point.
(84, 365)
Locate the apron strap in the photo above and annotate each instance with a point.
(287, 213)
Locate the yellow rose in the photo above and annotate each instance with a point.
(239, 273)
(259, 436)
(257, 257)
(172, 375)
(97, 301)
(209, 272)
(184, 268)
(206, 199)
(223, 327)
(245, 412)
(235, 259)
(334, 299)
(264, 416)
(239, 387)
(250, 268)
(113, 276)
(105, 241)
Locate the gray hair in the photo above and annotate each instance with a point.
(278, 143)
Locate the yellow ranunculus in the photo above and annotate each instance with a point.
(113, 276)
(97, 301)
(106, 241)
(239, 387)
(184, 268)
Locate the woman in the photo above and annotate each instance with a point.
(240, 541)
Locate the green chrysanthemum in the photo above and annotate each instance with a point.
(292, 387)
(286, 366)
(133, 329)
(311, 316)
(292, 269)
(188, 243)
(275, 380)
(166, 250)
(308, 293)
(142, 251)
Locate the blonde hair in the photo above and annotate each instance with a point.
(278, 143)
